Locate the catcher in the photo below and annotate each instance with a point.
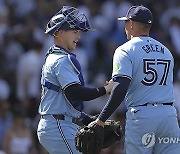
(63, 87)
(92, 138)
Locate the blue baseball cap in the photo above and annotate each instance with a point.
(140, 14)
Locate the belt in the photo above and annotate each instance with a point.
(62, 117)
(59, 116)
(156, 104)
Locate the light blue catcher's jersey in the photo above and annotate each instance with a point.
(149, 65)
(59, 71)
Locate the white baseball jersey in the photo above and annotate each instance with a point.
(59, 71)
(149, 65)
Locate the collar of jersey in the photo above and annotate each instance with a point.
(57, 48)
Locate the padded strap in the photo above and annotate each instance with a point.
(76, 66)
(52, 86)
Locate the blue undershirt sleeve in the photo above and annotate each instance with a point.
(77, 92)
(116, 97)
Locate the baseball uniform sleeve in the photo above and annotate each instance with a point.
(122, 64)
(65, 73)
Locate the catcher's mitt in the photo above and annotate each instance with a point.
(112, 133)
(89, 140)
(92, 138)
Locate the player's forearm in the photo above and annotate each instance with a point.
(117, 96)
(79, 93)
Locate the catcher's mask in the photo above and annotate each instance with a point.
(68, 18)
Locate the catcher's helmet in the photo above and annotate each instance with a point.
(68, 18)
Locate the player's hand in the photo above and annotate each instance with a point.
(108, 86)
(99, 122)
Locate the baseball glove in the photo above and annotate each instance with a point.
(112, 133)
(89, 140)
(92, 138)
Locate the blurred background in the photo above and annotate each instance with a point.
(23, 45)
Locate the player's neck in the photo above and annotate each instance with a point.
(60, 43)
(140, 34)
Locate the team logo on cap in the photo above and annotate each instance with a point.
(149, 21)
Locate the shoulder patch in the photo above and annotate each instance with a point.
(115, 67)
